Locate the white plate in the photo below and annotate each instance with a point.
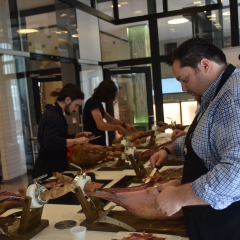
(121, 235)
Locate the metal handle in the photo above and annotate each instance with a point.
(39, 178)
(76, 166)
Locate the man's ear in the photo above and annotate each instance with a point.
(205, 64)
(67, 100)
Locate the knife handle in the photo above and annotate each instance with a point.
(158, 167)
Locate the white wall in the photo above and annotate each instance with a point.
(13, 157)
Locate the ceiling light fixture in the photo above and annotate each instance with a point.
(226, 13)
(177, 21)
(61, 32)
(138, 12)
(123, 3)
(118, 6)
(63, 15)
(26, 31)
(75, 35)
(197, 2)
(212, 16)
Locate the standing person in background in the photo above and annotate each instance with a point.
(53, 137)
(94, 113)
(209, 193)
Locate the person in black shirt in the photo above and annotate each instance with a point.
(53, 137)
(94, 113)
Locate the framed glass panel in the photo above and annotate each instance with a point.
(126, 41)
(132, 8)
(172, 35)
(177, 5)
(105, 7)
(159, 4)
(87, 2)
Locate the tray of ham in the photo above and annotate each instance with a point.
(143, 236)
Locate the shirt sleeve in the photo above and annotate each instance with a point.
(221, 185)
(52, 140)
(179, 147)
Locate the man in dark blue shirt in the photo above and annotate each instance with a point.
(53, 137)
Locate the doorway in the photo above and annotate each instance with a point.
(135, 100)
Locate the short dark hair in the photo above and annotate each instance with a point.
(69, 90)
(192, 51)
(106, 91)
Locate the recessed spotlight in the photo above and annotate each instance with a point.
(178, 21)
(26, 30)
(75, 35)
(63, 15)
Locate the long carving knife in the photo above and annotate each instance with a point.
(153, 172)
(94, 138)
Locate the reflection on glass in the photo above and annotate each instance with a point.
(172, 35)
(132, 8)
(87, 2)
(132, 105)
(118, 44)
(45, 88)
(106, 7)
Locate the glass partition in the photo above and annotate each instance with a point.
(105, 7)
(172, 35)
(87, 2)
(126, 41)
(132, 8)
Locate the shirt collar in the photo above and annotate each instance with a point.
(208, 95)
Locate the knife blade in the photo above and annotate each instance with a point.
(153, 172)
(94, 138)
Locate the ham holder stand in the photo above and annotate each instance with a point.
(30, 223)
(98, 219)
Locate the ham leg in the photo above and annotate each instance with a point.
(139, 201)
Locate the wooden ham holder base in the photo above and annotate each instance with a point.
(138, 168)
(172, 227)
(30, 222)
(120, 165)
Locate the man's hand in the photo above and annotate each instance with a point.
(168, 201)
(158, 158)
(121, 130)
(173, 197)
(130, 127)
(84, 134)
(81, 140)
(176, 134)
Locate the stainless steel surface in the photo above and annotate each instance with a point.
(76, 166)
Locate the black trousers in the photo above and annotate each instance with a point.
(48, 165)
(206, 223)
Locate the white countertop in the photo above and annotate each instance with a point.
(56, 213)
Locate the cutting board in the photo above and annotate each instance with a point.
(121, 235)
(171, 227)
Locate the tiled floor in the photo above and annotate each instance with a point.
(19, 182)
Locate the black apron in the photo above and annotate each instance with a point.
(204, 222)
